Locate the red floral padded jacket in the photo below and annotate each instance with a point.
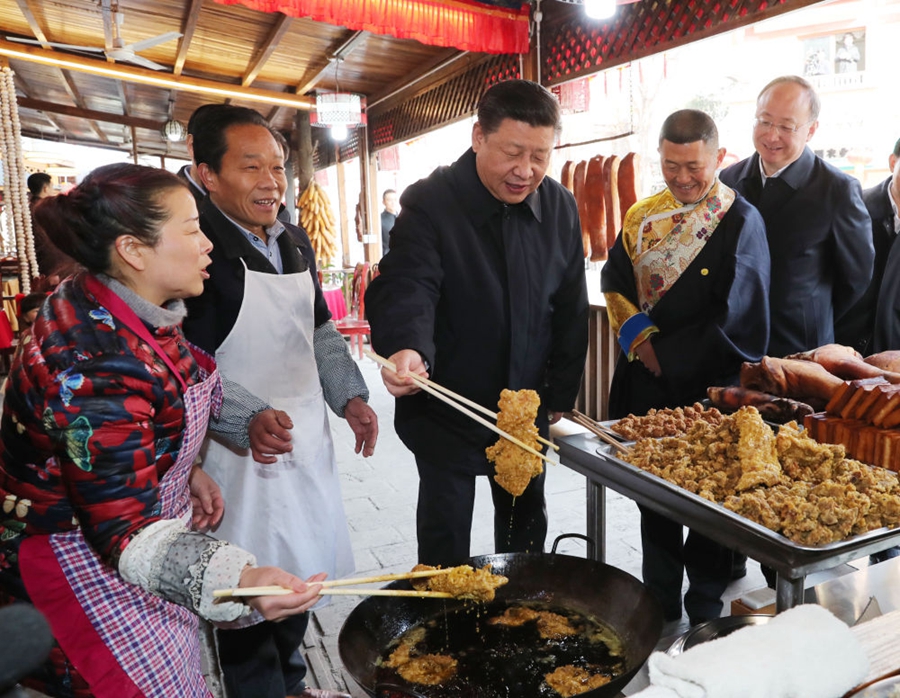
(92, 419)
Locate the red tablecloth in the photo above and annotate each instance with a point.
(334, 297)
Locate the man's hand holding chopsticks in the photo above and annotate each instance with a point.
(407, 361)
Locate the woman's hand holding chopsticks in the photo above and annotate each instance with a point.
(399, 383)
(276, 607)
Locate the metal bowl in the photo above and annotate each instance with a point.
(713, 630)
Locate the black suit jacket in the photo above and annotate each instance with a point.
(212, 314)
(820, 244)
(886, 330)
(857, 328)
(492, 295)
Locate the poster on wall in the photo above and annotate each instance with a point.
(834, 54)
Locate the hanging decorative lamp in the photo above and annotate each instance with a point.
(337, 110)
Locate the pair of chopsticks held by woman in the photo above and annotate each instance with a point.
(105, 410)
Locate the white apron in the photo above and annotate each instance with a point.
(289, 514)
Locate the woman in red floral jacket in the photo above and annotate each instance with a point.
(105, 410)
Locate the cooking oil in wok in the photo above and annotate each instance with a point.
(495, 660)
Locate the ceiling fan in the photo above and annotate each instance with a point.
(120, 51)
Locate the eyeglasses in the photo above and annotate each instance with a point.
(783, 129)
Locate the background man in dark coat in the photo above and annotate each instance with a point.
(484, 289)
(816, 223)
(874, 323)
(388, 218)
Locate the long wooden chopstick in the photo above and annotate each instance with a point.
(592, 427)
(445, 398)
(385, 577)
(281, 591)
(387, 592)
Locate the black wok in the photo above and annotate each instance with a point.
(585, 586)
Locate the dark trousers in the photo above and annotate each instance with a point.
(667, 555)
(445, 507)
(263, 660)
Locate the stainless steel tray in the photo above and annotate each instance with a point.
(788, 558)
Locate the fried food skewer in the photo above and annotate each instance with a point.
(431, 384)
(444, 398)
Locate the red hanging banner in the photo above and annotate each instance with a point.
(466, 25)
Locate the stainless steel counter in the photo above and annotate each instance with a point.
(585, 454)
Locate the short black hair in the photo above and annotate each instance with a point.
(37, 181)
(519, 100)
(897, 148)
(32, 301)
(200, 114)
(689, 126)
(209, 140)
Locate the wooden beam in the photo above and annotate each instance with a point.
(189, 26)
(26, 90)
(75, 96)
(282, 24)
(50, 107)
(26, 9)
(123, 98)
(348, 42)
(152, 77)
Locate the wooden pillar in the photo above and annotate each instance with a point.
(343, 211)
(302, 150)
(368, 199)
(134, 152)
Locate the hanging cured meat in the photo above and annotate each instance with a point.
(567, 176)
(580, 199)
(611, 190)
(595, 192)
(629, 183)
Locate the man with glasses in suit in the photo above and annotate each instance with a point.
(817, 226)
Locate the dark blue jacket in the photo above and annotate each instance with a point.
(710, 321)
(820, 243)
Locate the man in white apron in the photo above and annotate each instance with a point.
(263, 316)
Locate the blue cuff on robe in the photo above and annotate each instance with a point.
(632, 327)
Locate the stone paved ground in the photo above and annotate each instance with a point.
(380, 497)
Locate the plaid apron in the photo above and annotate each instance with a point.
(126, 642)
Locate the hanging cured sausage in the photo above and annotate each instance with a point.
(578, 190)
(595, 192)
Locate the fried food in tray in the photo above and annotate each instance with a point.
(464, 582)
(665, 422)
(514, 467)
(807, 491)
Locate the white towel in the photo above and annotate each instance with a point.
(802, 653)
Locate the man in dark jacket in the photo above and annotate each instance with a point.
(874, 323)
(816, 223)
(263, 316)
(686, 289)
(484, 289)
